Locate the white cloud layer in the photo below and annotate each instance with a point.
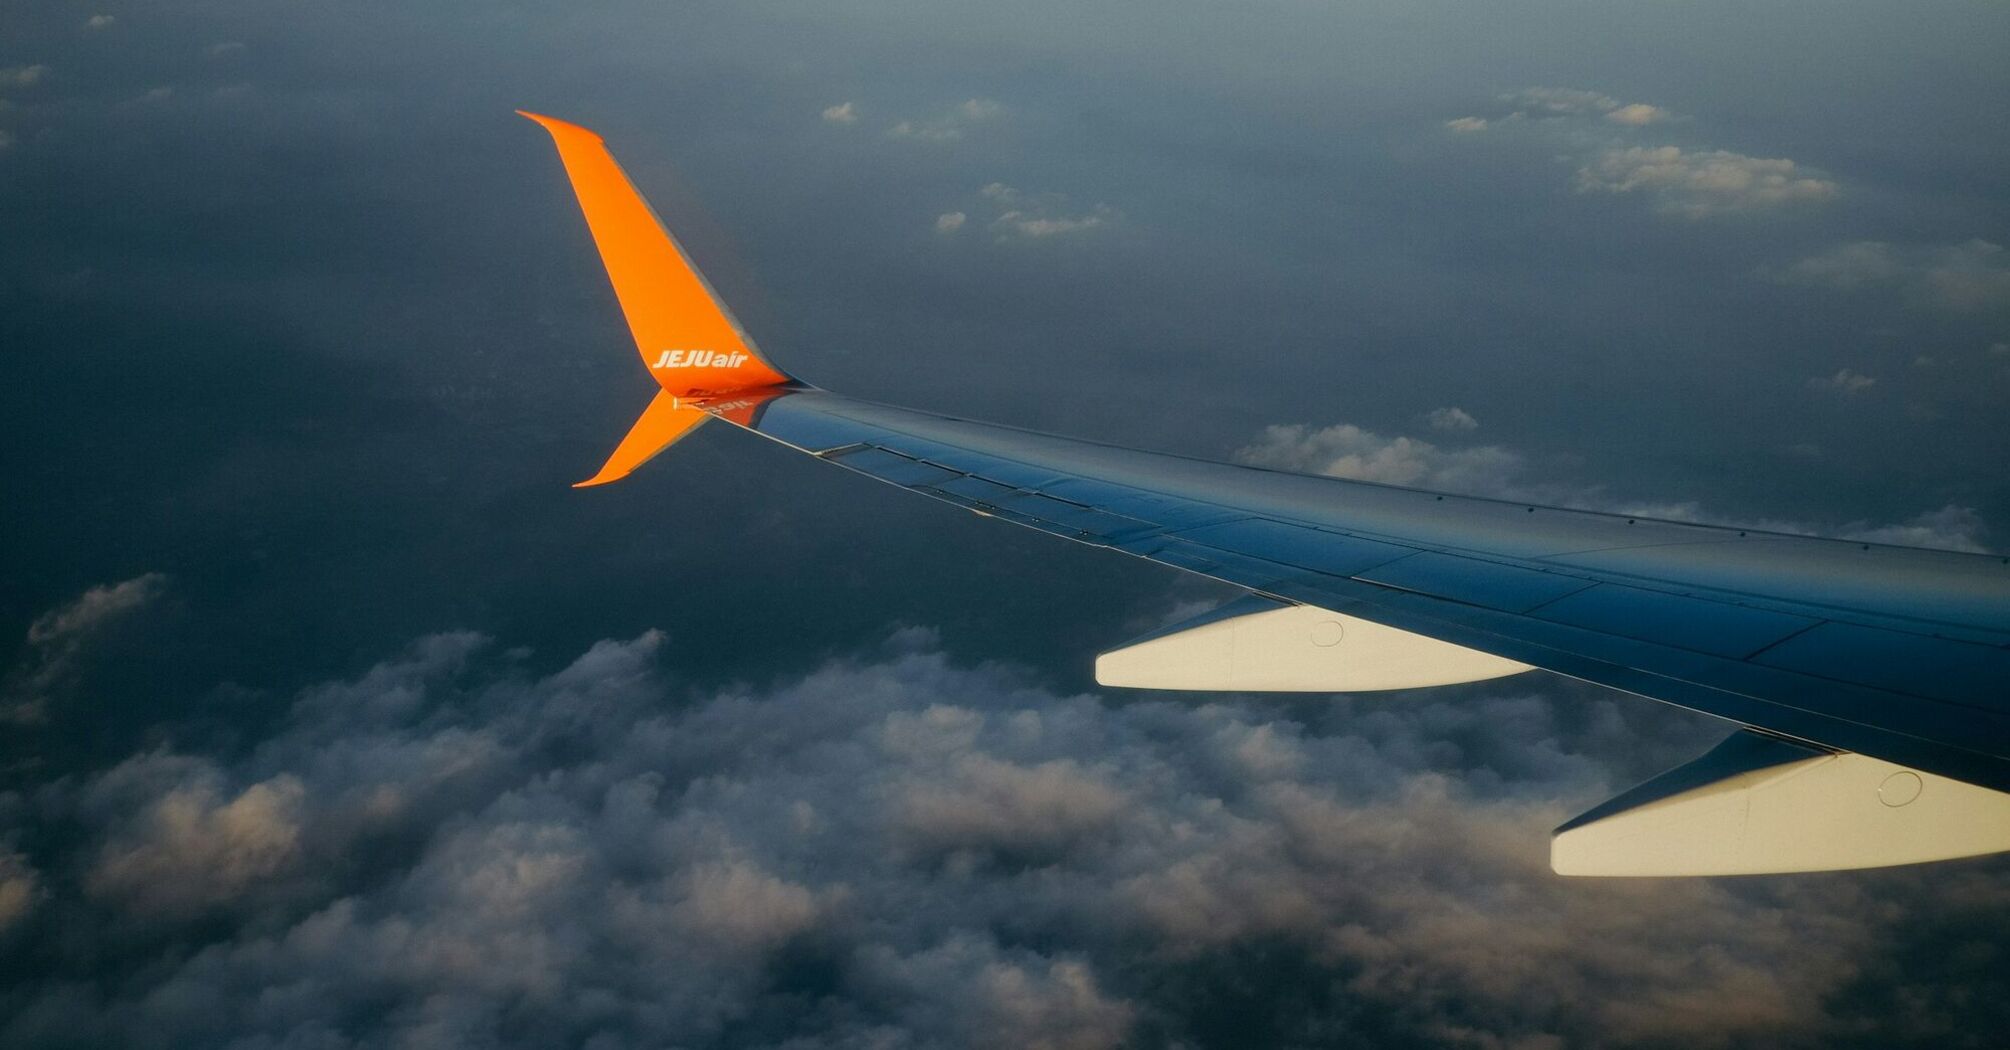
(1348, 451)
(1973, 276)
(1702, 183)
(899, 851)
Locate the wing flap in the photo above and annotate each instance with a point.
(1758, 805)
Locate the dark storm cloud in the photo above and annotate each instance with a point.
(901, 850)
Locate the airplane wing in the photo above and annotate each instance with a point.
(1871, 682)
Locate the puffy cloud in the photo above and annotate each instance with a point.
(898, 850)
(1845, 383)
(1030, 216)
(948, 126)
(1846, 267)
(22, 76)
(1451, 418)
(99, 22)
(1638, 114)
(20, 888)
(968, 991)
(1348, 451)
(976, 807)
(1702, 183)
(1972, 276)
(1465, 124)
(1953, 528)
(59, 639)
(950, 221)
(842, 113)
(194, 845)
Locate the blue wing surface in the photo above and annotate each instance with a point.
(1894, 652)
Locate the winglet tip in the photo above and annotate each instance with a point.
(555, 125)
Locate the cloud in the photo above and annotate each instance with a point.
(224, 47)
(949, 221)
(948, 126)
(1451, 418)
(975, 807)
(1973, 276)
(99, 22)
(1038, 216)
(842, 113)
(20, 888)
(6, 139)
(1559, 102)
(896, 849)
(1845, 383)
(1697, 184)
(968, 991)
(22, 76)
(1348, 451)
(1693, 183)
(1638, 114)
(194, 845)
(979, 109)
(1033, 225)
(1846, 267)
(59, 639)
(1953, 528)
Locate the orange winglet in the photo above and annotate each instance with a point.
(665, 422)
(686, 336)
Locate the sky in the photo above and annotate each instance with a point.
(330, 716)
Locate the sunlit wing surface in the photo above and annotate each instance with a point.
(1883, 672)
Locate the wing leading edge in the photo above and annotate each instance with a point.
(1898, 654)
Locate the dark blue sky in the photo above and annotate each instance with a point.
(335, 717)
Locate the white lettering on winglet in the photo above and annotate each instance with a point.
(698, 359)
